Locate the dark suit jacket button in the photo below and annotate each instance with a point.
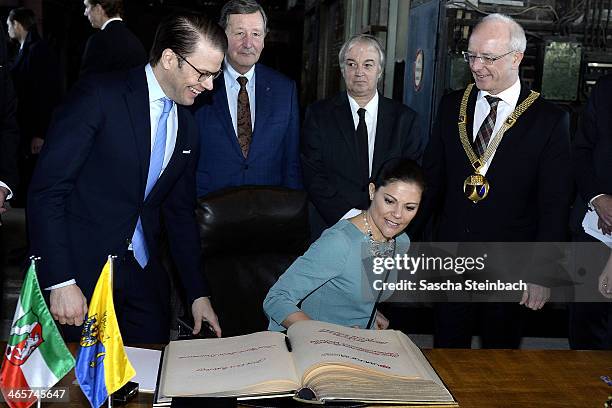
(245, 167)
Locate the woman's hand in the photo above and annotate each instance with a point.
(294, 317)
(605, 279)
(381, 322)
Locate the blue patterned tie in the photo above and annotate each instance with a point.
(139, 246)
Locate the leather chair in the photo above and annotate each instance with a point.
(249, 237)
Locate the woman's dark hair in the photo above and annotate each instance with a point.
(399, 169)
(181, 34)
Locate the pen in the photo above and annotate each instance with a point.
(288, 343)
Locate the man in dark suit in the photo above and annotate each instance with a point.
(114, 47)
(249, 130)
(527, 177)
(36, 77)
(9, 141)
(9, 133)
(118, 165)
(348, 137)
(591, 323)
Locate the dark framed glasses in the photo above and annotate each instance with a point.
(204, 75)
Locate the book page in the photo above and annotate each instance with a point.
(258, 362)
(418, 360)
(315, 343)
(146, 363)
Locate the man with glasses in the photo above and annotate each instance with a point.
(347, 137)
(118, 166)
(498, 170)
(249, 125)
(114, 47)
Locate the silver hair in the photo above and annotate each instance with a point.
(241, 7)
(518, 41)
(361, 38)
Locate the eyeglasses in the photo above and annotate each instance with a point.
(203, 75)
(484, 59)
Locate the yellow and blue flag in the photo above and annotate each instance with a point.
(102, 366)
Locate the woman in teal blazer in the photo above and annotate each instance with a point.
(329, 282)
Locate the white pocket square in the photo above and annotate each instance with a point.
(186, 151)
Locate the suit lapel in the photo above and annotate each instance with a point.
(262, 106)
(344, 118)
(384, 128)
(220, 104)
(24, 51)
(510, 144)
(471, 107)
(137, 103)
(173, 168)
(510, 138)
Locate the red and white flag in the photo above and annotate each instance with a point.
(36, 357)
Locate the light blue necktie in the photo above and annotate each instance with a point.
(139, 246)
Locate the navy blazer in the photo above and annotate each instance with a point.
(37, 79)
(273, 157)
(9, 133)
(88, 188)
(113, 49)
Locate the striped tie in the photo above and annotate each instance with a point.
(486, 129)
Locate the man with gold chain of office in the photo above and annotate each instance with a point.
(498, 170)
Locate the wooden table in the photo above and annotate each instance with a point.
(492, 378)
(524, 378)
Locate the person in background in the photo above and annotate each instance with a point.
(9, 132)
(328, 280)
(114, 47)
(346, 138)
(120, 157)
(249, 125)
(36, 77)
(591, 322)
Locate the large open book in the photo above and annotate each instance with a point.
(315, 361)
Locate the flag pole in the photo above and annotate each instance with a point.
(111, 259)
(33, 260)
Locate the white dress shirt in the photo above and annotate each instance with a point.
(505, 107)
(110, 20)
(10, 193)
(371, 120)
(156, 106)
(232, 87)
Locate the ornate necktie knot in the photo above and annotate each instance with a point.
(242, 81)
